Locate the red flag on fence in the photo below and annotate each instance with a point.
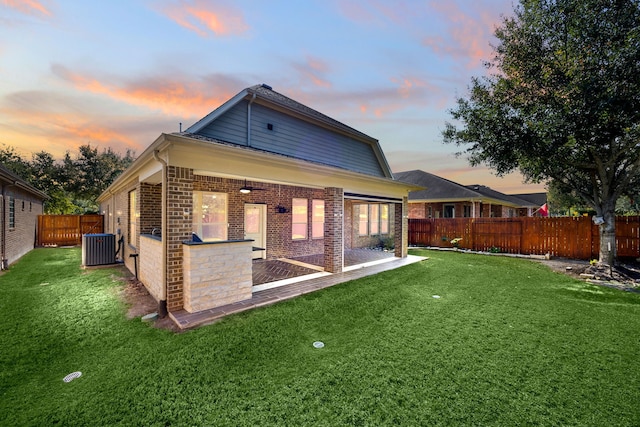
(543, 210)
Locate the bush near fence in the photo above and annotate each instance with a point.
(569, 237)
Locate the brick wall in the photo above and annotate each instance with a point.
(279, 242)
(179, 226)
(150, 202)
(333, 229)
(20, 239)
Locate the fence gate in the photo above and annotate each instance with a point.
(67, 230)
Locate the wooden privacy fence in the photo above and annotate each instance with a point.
(559, 236)
(67, 230)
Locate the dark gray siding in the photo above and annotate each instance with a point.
(293, 137)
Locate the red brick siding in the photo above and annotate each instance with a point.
(180, 186)
(150, 201)
(279, 242)
(20, 239)
(333, 229)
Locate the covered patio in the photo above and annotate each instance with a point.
(293, 287)
(272, 271)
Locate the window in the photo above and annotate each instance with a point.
(384, 219)
(299, 219)
(133, 219)
(373, 219)
(467, 211)
(317, 219)
(12, 212)
(363, 220)
(429, 212)
(448, 211)
(210, 215)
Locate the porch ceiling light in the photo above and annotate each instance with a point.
(245, 190)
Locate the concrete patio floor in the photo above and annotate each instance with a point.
(291, 278)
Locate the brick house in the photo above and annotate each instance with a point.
(441, 198)
(260, 177)
(20, 206)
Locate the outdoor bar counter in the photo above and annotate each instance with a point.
(216, 273)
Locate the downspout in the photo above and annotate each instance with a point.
(162, 304)
(249, 120)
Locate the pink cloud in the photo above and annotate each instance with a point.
(467, 35)
(207, 18)
(313, 70)
(29, 7)
(174, 95)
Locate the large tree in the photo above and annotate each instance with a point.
(74, 183)
(561, 102)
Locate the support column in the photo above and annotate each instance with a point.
(401, 228)
(333, 229)
(179, 213)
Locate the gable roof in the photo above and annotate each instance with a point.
(435, 187)
(346, 147)
(538, 199)
(7, 176)
(439, 189)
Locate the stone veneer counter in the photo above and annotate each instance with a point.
(216, 273)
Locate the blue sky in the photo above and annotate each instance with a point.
(118, 73)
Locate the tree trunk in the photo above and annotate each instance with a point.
(608, 238)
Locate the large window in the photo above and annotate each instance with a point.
(299, 219)
(12, 212)
(133, 219)
(317, 219)
(373, 219)
(210, 215)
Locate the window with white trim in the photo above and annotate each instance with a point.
(299, 219)
(210, 216)
(317, 219)
(384, 219)
(133, 219)
(373, 219)
(12, 212)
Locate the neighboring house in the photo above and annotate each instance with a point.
(260, 177)
(21, 204)
(442, 198)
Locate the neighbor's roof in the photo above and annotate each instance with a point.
(9, 177)
(440, 189)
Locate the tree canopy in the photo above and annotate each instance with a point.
(73, 183)
(561, 102)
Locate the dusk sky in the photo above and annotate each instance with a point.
(119, 73)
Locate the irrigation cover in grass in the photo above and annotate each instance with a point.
(318, 344)
(436, 296)
(72, 376)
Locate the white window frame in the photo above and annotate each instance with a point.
(299, 204)
(199, 211)
(317, 219)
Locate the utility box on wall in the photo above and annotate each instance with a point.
(98, 249)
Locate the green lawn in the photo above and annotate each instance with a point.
(508, 343)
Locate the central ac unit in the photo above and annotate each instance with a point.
(98, 249)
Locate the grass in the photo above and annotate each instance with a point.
(508, 343)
